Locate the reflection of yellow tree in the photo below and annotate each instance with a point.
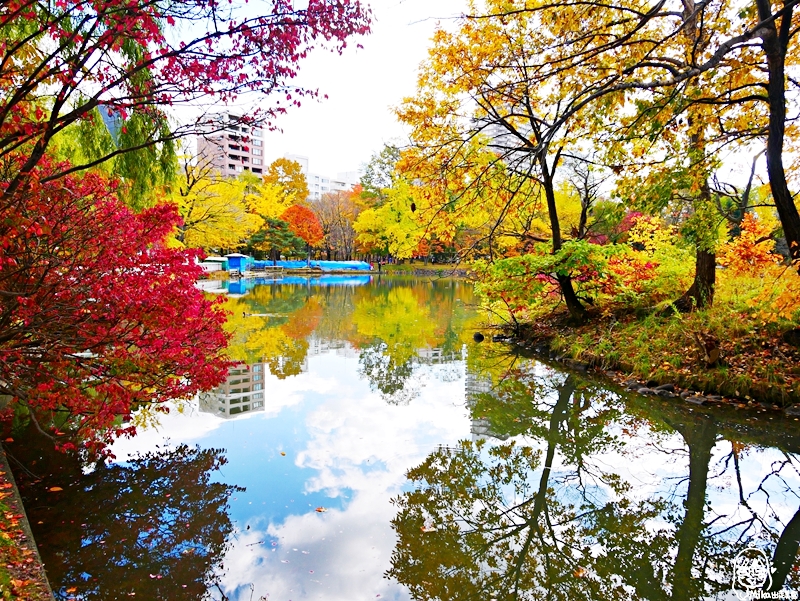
(390, 324)
(280, 343)
(558, 520)
(397, 318)
(397, 325)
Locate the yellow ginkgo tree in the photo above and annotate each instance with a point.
(222, 213)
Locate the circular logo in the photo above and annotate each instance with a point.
(752, 570)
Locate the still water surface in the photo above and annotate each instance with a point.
(367, 448)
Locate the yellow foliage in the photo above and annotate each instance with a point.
(392, 226)
(216, 213)
(651, 234)
(780, 297)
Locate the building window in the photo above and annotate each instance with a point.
(257, 386)
(257, 132)
(257, 152)
(256, 161)
(256, 142)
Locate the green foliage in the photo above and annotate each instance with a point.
(276, 238)
(380, 174)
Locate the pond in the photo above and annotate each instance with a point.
(366, 447)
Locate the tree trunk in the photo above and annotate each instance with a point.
(700, 438)
(775, 44)
(701, 293)
(576, 309)
(786, 552)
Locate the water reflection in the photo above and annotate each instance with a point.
(156, 527)
(595, 497)
(392, 328)
(441, 469)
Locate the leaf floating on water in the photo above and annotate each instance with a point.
(283, 454)
(55, 489)
(284, 561)
(320, 510)
(72, 589)
(156, 576)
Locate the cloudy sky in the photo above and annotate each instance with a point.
(342, 132)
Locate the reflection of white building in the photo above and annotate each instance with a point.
(319, 346)
(242, 392)
(477, 384)
(436, 356)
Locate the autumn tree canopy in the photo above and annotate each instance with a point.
(304, 224)
(288, 176)
(71, 62)
(98, 315)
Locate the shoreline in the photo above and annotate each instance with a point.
(19, 555)
(766, 377)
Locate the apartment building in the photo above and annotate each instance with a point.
(321, 184)
(232, 147)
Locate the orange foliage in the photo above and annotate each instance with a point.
(750, 253)
(304, 321)
(304, 224)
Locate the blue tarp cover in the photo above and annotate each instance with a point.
(323, 265)
(244, 286)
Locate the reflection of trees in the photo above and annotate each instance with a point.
(557, 520)
(388, 321)
(156, 528)
(278, 336)
(396, 321)
(384, 373)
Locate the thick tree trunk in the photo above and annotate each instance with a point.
(775, 44)
(701, 293)
(786, 552)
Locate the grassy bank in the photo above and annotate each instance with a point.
(759, 357)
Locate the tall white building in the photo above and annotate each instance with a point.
(231, 146)
(321, 184)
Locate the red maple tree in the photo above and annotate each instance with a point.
(97, 315)
(304, 224)
(140, 57)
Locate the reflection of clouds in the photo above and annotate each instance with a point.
(185, 422)
(339, 555)
(373, 444)
(362, 446)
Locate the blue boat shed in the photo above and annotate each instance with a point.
(239, 261)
